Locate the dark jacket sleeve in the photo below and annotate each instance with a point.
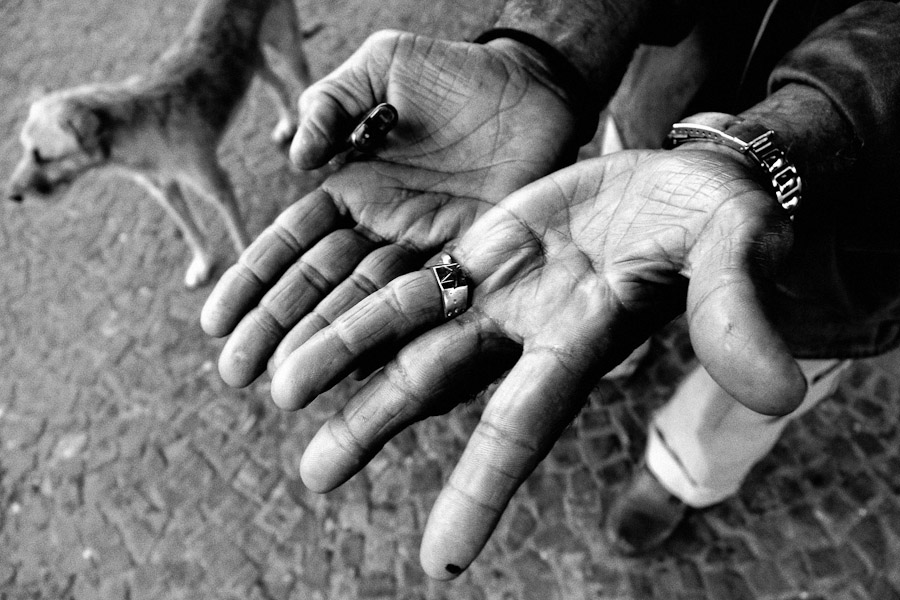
(855, 60)
(847, 248)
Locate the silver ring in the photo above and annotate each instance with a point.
(454, 285)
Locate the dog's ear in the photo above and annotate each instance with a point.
(90, 127)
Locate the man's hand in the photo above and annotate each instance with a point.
(476, 123)
(571, 273)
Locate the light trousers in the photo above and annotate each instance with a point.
(703, 443)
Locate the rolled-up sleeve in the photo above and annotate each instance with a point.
(847, 257)
(855, 60)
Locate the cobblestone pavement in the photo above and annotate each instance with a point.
(129, 471)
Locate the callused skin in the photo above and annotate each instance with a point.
(570, 273)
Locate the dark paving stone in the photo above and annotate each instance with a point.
(728, 584)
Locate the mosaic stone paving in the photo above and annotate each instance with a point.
(129, 471)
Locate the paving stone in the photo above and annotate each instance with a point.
(598, 448)
(852, 565)
(537, 577)
(316, 567)
(256, 542)
(729, 550)
(352, 550)
(882, 589)
(728, 583)
(869, 537)
(824, 562)
(582, 488)
(140, 540)
(380, 554)
(413, 576)
(691, 576)
(861, 488)
(836, 507)
(641, 585)
(766, 578)
(256, 480)
(566, 453)
(114, 589)
(805, 525)
(378, 585)
(521, 525)
(278, 583)
(558, 538)
(426, 477)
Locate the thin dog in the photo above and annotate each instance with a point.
(162, 127)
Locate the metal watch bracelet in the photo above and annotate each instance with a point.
(760, 144)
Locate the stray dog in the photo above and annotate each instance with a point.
(163, 127)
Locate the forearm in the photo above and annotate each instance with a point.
(818, 139)
(597, 37)
(852, 59)
(833, 106)
(834, 98)
(808, 127)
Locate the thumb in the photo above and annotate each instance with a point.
(731, 335)
(331, 108)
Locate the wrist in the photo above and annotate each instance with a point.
(722, 122)
(548, 66)
(725, 152)
(597, 37)
(772, 166)
(820, 141)
(795, 141)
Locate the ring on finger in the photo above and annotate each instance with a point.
(454, 285)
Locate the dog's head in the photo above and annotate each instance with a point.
(61, 139)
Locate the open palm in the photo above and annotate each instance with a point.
(476, 123)
(571, 273)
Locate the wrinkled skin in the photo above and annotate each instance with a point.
(476, 123)
(571, 273)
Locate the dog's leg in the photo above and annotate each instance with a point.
(210, 181)
(169, 195)
(284, 69)
(284, 99)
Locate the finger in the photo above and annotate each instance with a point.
(525, 416)
(317, 272)
(405, 306)
(438, 370)
(373, 361)
(374, 272)
(331, 108)
(730, 332)
(277, 247)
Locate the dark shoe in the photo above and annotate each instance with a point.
(643, 516)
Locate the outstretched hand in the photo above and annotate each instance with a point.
(476, 123)
(571, 273)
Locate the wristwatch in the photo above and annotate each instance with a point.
(760, 144)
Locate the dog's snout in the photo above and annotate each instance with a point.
(14, 192)
(34, 184)
(42, 186)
